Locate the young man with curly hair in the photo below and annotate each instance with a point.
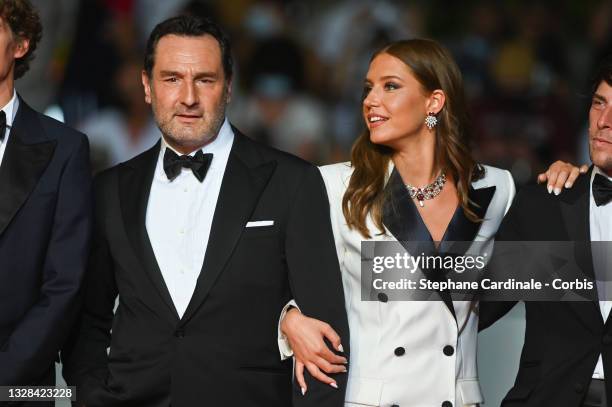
(45, 215)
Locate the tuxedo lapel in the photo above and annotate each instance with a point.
(135, 179)
(401, 218)
(245, 178)
(460, 228)
(574, 204)
(27, 155)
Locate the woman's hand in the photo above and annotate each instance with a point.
(306, 337)
(561, 174)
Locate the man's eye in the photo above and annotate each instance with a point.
(171, 79)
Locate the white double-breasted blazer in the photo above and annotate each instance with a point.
(412, 353)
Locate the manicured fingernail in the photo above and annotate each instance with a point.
(568, 185)
(303, 391)
(344, 371)
(340, 348)
(557, 191)
(549, 188)
(334, 385)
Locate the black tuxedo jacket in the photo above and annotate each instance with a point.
(224, 350)
(45, 225)
(563, 340)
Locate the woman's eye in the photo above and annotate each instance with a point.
(391, 86)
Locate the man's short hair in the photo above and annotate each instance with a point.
(603, 73)
(189, 26)
(24, 21)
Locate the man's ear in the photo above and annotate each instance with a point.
(146, 84)
(21, 47)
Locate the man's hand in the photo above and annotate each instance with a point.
(306, 337)
(561, 175)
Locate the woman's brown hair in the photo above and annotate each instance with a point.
(434, 68)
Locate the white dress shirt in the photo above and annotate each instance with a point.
(179, 217)
(600, 222)
(10, 109)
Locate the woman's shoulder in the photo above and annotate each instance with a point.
(336, 177)
(502, 181)
(338, 173)
(493, 176)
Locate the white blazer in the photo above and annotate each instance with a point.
(424, 375)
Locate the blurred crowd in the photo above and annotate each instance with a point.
(300, 69)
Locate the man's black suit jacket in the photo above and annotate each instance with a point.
(563, 340)
(224, 350)
(45, 226)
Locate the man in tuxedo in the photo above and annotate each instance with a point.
(45, 215)
(204, 238)
(567, 354)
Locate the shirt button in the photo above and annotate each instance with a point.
(448, 350)
(447, 404)
(382, 297)
(185, 190)
(399, 351)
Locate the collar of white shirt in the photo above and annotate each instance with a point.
(10, 109)
(220, 148)
(596, 170)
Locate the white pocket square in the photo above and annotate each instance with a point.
(259, 223)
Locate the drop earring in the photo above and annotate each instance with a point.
(431, 120)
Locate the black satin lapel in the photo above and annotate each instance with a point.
(574, 204)
(460, 228)
(400, 215)
(401, 218)
(135, 179)
(240, 191)
(21, 168)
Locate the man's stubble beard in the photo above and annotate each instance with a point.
(188, 141)
(606, 165)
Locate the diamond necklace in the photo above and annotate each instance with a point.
(428, 191)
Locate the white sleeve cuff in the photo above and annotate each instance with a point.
(283, 344)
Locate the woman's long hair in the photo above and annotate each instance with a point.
(434, 68)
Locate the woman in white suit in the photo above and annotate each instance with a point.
(411, 178)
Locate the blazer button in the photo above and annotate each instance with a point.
(447, 404)
(399, 351)
(448, 350)
(179, 333)
(579, 388)
(382, 297)
(607, 339)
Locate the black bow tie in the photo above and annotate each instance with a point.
(602, 190)
(2, 125)
(199, 164)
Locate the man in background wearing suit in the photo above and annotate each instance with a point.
(45, 216)
(204, 237)
(567, 355)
